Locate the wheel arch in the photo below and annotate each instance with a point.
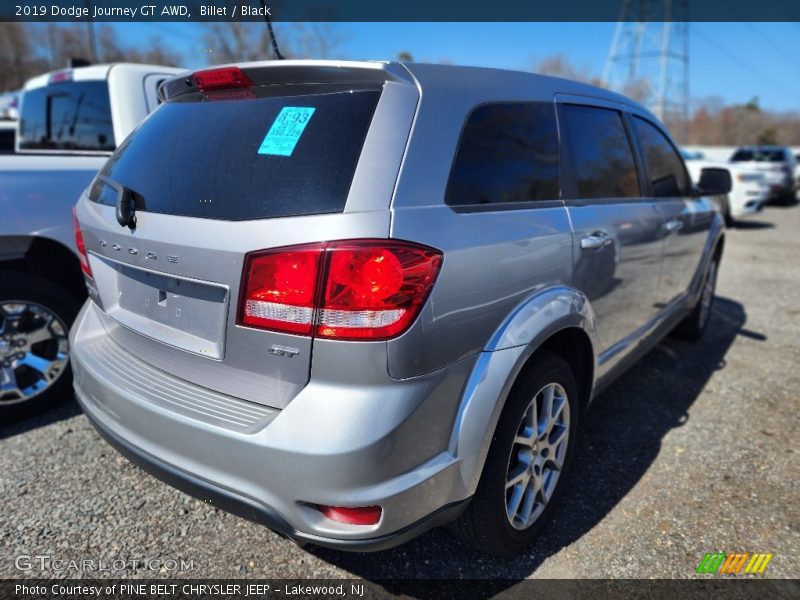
(45, 258)
(558, 319)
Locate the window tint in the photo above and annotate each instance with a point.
(508, 153)
(665, 168)
(238, 157)
(67, 116)
(759, 155)
(6, 140)
(601, 153)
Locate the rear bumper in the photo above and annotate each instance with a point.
(252, 510)
(332, 445)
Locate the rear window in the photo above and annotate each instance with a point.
(270, 154)
(758, 156)
(67, 116)
(508, 154)
(601, 153)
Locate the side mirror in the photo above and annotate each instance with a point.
(715, 182)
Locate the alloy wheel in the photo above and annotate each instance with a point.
(537, 456)
(34, 350)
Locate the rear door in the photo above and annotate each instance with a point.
(214, 176)
(687, 220)
(617, 230)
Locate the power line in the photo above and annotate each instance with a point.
(772, 43)
(743, 64)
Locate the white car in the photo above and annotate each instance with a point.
(776, 162)
(749, 189)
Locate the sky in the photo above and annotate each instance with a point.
(734, 61)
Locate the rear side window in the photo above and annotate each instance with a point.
(508, 154)
(67, 116)
(601, 153)
(665, 168)
(236, 157)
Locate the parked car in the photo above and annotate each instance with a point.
(349, 300)
(776, 162)
(9, 105)
(71, 121)
(749, 190)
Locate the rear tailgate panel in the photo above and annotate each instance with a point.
(210, 253)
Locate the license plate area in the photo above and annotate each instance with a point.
(185, 313)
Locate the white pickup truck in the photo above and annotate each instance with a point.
(70, 122)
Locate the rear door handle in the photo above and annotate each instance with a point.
(673, 225)
(598, 239)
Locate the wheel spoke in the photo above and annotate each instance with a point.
(8, 383)
(41, 334)
(548, 483)
(517, 494)
(522, 475)
(546, 413)
(527, 505)
(37, 363)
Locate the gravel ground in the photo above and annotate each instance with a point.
(692, 451)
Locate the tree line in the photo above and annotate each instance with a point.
(30, 49)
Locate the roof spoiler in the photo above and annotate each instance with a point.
(299, 72)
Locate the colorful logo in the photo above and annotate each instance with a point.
(731, 563)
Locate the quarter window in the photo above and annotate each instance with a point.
(665, 168)
(601, 153)
(508, 154)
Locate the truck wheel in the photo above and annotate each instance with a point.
(693, 326)
(529, 456)
(35, 316)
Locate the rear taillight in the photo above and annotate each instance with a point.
(82, 256)
(349, 290)
(221, 79)
(279, 289)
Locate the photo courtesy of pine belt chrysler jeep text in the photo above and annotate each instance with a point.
(356, 300)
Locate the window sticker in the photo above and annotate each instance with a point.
(286, 130)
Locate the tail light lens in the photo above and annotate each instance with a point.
(79, 243)
(350, 290)
(279, 289)
(221, 79)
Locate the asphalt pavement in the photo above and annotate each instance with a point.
(694, 450)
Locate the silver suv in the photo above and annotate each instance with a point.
(353, 301)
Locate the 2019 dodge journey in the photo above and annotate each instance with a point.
(355, 300)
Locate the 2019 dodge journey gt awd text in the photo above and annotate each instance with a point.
(353, 301)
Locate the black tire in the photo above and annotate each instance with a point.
(485, 522)
(695, 323)
(23, 287)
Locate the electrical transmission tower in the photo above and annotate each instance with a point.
(649, 58)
